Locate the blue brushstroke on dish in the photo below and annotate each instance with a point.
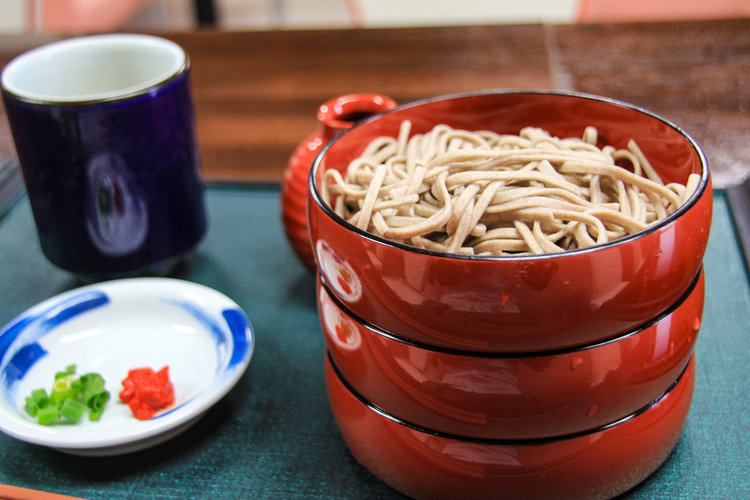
(9, 333)
(22, 360)
(241, 331)
(31, 326)
(72, 307)
(239, 325)
(218, 334)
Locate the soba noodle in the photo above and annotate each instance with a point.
(482, 193)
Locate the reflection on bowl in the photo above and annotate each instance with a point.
(524, 303)
(512, 396)
(423, 463)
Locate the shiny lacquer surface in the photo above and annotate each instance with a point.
(596, 465)
(334, 116)
(513, 396)
(517, 304)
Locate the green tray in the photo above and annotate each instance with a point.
(273, 435)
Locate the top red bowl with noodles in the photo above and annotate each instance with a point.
(517, 302)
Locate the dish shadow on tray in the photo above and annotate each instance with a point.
(198, 448)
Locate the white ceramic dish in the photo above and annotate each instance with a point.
(110, 328)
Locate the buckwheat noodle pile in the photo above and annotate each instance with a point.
(482, 193)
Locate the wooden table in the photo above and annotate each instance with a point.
(257, 93)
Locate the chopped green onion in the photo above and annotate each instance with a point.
(72, 410)
(40, 397)
(69, 398)
(63, 389)
(48, 415)
(91, 386)
(69, 370)
(31, 407)
(96, 404)
(96, 413)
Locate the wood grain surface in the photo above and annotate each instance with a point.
(257, 92)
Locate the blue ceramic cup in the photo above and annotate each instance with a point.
(104, 131)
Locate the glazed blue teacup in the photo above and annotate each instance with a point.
(104, 131)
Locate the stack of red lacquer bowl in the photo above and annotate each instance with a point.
(565, 375)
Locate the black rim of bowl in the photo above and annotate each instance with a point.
(525, 354)
(514, 442)
(313, 188)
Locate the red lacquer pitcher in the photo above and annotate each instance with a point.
(334, 116)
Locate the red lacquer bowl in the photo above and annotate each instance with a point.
(496, 396)
(334, 116)
(423, 463)
(517, 304)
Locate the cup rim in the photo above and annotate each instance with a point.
(179, 65)
(653, 228)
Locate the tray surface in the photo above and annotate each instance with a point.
(273, 435)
